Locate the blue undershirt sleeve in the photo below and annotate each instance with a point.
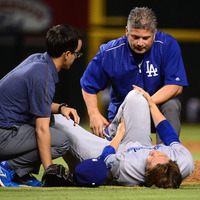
(167, 133)
(107, 151)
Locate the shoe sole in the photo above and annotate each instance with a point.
(24, 186)
(1, 184)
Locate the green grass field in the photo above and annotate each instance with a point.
(104, 193)
(186, 191)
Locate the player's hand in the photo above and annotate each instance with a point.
(97, 123)
(70, 113)
(145, 94)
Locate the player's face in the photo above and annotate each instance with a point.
(156, 157)
(140, 40)
(72, 56)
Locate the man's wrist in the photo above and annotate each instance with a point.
(60, 107)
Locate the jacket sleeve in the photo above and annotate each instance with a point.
(94, 78)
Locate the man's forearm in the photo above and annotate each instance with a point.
(157, 116)
(54, 108)
(166, 92)
(121, 130)
(44, 141)
(44, 146)
(114, 144)
(91, 102)
(97, 121)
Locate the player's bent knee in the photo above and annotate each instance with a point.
(135, 96)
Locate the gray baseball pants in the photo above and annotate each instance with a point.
(85, 145)
(171, 109)
(18, 146)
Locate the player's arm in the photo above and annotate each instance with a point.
(121, 130)
(166, 92)
(65, 111)
(114, 144)
(97, 121)
(44, 140)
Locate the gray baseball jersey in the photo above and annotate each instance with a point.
(127, 166)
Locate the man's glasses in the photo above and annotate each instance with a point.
(78, 54)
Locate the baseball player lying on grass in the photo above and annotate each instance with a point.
(131, 158)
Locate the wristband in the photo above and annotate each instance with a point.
(61, 105)
(167, 133)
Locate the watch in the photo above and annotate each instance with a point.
(61, 105)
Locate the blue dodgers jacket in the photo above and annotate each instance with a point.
(115, 64)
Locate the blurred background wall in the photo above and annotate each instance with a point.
(23, 25)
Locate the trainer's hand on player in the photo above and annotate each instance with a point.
(97, 123)
(145, 94)
(70, 113)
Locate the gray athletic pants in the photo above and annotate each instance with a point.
(18, 146)
(85, 145)
(171, 109)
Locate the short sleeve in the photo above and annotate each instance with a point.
(41, 91)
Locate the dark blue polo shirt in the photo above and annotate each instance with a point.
(28, 91)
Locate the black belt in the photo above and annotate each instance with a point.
(13, 128)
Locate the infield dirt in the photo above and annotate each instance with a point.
(193, 147)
